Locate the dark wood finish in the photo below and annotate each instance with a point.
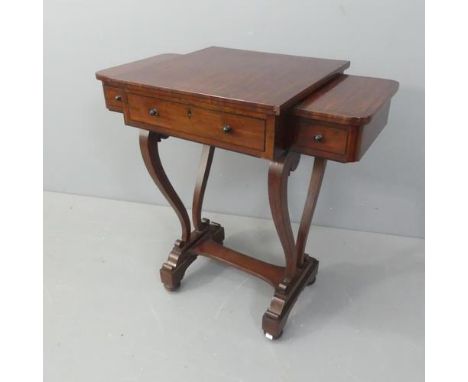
(115, 88)
(347, 100)
(332, 139)
(149, 151)
(207, 237)
(248, 79)
(367, 134)
(349, 111)
(285, 297)
(301, 269)
(114, 98)
(220, 86)
(272, 274)
(248, 102)
(278, 174)
(193, 122)
(181, 256)
(309, 208)
(113, 75)
(200, 187)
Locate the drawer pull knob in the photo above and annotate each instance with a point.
(153, 112)
(318, 138)
(227, 129)
(118, 98)
(189, 113)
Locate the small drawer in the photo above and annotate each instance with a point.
(321, 137)
(191, 122)
(114, 98)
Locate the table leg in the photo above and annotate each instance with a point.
(149, 150)
(301, 269)
(173, 270)
(199, 192)
(309, 208)
(207, 237)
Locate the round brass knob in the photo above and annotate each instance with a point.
(318, 138)
(227, 129)
(153, 112)
(118, 98)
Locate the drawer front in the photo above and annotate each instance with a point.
(230, 129)
(114, 98)
(321, 137)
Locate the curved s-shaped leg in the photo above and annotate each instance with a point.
(278, 174)
(300, 268)
(149, 150)
(202, 179)
(174, 268)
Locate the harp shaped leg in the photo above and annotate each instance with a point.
(203, 228)
(200, 186)
(278, 174)
(149, 150)
(173, 270)
(313, 192)
(300, 269)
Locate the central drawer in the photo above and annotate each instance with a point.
(214, 126)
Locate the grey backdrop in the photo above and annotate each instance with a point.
(88, 151)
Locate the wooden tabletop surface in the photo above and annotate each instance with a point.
(269, 81)
(351, 100)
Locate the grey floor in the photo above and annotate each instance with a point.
(108, 318)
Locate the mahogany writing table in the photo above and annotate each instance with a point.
(269, 106)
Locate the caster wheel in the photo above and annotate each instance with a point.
(271, 337)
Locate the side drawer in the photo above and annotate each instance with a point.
(188, 121)
(114, 98)
(321, 139)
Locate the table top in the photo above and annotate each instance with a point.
(267, 81)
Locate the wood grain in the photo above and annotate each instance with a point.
(249, 102)
(350, 112)
(333, 139)
(150, 153)
(245, 132)
(267, 81)
(114, 98)
(278, 174)
(114, 73)
(200, 186)
(272, 274)
(348, 100)
(309, 208)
